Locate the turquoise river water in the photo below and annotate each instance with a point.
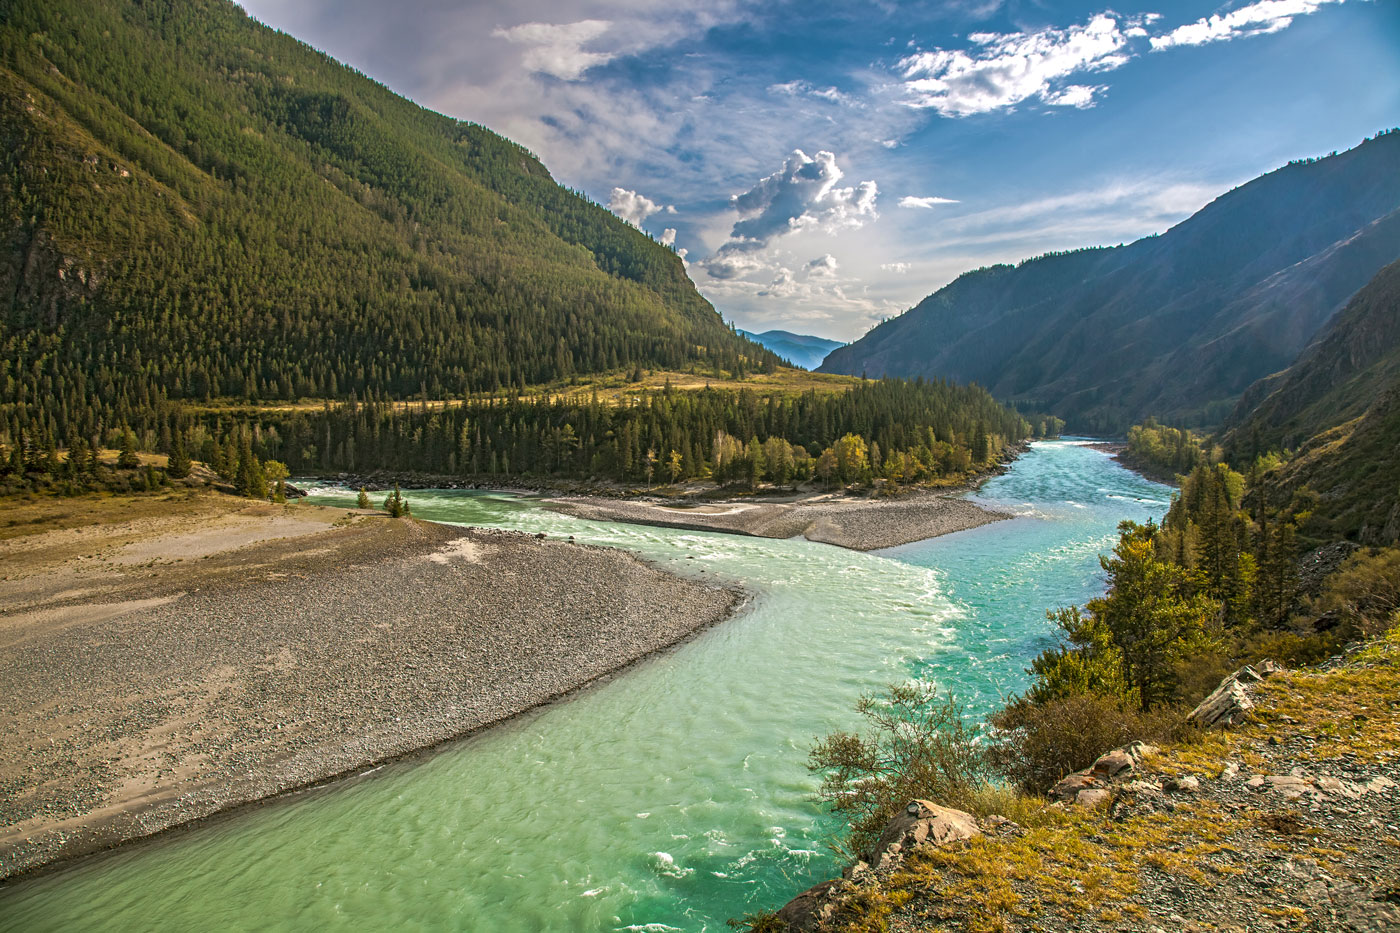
(674, 795)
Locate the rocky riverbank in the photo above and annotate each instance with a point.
(861, 524)
(163, 668)
(1285, 817)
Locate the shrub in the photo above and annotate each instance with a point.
(1039, 743)
(1364, 592)
(919, 746)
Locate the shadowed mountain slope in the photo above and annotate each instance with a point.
(1176, 325)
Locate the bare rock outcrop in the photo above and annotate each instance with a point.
(1091, 786)
(1230, 702)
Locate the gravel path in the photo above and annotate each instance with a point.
(857, 524)
(185, 689)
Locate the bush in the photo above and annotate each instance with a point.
(1037, 744)
(919, 747)
(1364, 592)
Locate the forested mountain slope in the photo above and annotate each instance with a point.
(1176, 325)
(1341, 373)
(1339, 406)
(194, 205)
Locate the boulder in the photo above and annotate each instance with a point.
(921, 823)
(809, 910)
(1230, 702)
(1089, 787)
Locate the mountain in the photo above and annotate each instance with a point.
(1176, 325)
(1346, 368)
(1339, 405)
(801, 349)
(195, 205)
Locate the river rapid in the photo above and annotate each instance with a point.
(674, 795)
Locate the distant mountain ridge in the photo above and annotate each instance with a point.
(1176, 325)
(801, 349)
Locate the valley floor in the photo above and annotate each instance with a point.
(164, 659)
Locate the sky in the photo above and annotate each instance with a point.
(822, 166)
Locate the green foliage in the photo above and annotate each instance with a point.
(918, 746)
(396, 505)
(725, 435)
(126, 458)
(200, 207)
(1165, 452)
(1364, 593)
(362, 500)
(180, 464)
(1037, 742)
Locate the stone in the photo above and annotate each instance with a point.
(1093, 797)
(1229, 703)
(921, 823)
(1190, 784)
(809, 910)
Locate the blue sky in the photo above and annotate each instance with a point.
(826, 165)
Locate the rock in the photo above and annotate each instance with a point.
(810, 909)
(292, 492)
(1093, 797)
(921, 823)
(1229, 703)
(1190, 784)
(1087, 787)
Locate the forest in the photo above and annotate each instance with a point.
(196, 207)
(887, 433)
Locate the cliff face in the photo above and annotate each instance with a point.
(1286, 818)
(1176, 325)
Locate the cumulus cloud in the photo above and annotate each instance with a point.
(898, 268)
(804, 194)
(822, 265)
(1265, 16)
(926, 203)
(633, 207)
(668, 236)
(557, 48)
(1004, 69)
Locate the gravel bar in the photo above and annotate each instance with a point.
(175, 694)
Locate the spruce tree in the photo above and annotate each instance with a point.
(179, 465)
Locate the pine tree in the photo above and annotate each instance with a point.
(179, 465)
(127, 459)
(362, 500)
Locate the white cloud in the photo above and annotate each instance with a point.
(926, 203)
(1265, 16)
(668, 236)
(898, 268)
(557, 48)
(803, 194)
(1004, 69)
(823, 266)
(803, 89)
(633, 207)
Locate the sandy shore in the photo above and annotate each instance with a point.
(856, 523)
(157, 668)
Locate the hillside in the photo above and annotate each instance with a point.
(801, 349)
(198, 206)
(1177, 325)
(1345, 369)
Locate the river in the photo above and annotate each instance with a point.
(670, 797)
